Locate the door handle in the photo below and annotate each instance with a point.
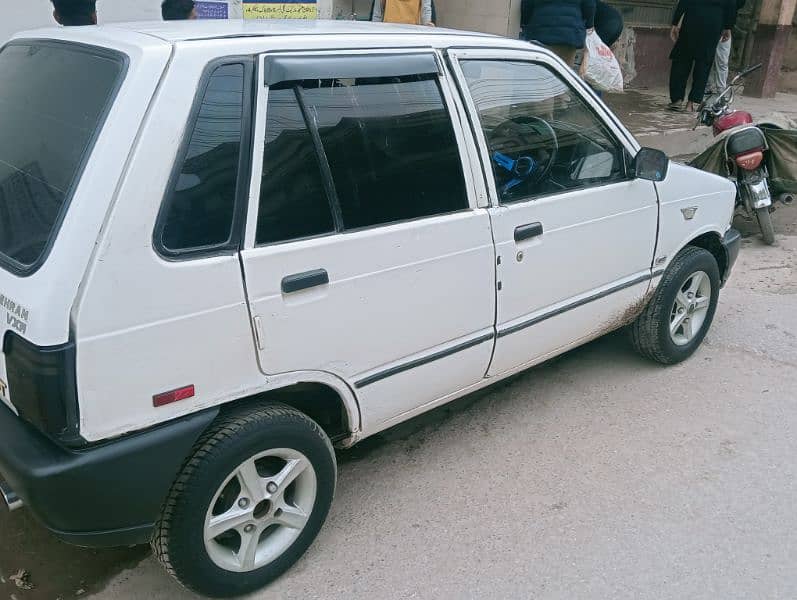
(525, 232)
(303, 281)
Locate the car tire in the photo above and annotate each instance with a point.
(676, 320)
(262, 480)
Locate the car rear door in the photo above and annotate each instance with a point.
(366, 254)
(574, 231)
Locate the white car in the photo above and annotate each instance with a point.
(226, 247)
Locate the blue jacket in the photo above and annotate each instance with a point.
(557, 22)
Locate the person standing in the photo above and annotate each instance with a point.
(561, 25)
(412, 12)
(72, 13)
(718, 79)
(697, 28)
(178, 10)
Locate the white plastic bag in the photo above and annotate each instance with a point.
(601, 69)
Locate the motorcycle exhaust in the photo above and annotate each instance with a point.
(786, 198)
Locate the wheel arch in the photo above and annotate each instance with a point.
(334, 409)
(712, 241)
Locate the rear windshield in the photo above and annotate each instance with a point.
(53, 100)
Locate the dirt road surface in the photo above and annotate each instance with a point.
(594, 475)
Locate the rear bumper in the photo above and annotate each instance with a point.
(106, 495)
(731, 243)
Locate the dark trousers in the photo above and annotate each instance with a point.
(608, 24)
(679, 75)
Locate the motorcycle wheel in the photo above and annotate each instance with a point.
(765, 223)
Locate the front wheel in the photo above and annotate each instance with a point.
(676, 320)
(765, 223)
(248, 503)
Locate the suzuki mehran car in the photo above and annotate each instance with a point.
(227, 247)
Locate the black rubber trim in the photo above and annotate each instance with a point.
(569, 307)
(17, 267)
(418, 362)
(304, 281)
(731, 243)
(526, 232)
(278, 69)
(233, 243)
(104, 494)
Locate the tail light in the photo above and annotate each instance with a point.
(43, 387)
(750, 160)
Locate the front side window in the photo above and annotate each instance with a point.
(199, 213)
(53, 101)
(372, 151)
(542, 137)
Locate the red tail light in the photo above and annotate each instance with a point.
(750, 161)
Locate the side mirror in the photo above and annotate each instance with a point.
(651, 165)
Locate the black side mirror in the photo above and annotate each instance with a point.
(651, 164)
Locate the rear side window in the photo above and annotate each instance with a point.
(370, 151)
(53, 101)
(199, 214)
(293, 202)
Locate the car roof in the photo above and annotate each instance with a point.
(135, 37)
(179, 31)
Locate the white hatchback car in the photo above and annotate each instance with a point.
(225, 247)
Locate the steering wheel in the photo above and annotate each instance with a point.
(532, 133)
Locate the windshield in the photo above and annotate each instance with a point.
(53, 100)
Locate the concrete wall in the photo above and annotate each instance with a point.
(477, 15)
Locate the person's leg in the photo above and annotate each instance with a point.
(566, 53)
(679, 74)
(699, 81)
(718, 79)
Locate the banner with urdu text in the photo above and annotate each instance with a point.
(284, 9)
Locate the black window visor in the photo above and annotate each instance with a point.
(296, 68)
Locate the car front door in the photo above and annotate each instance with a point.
(574, 231)
(366, 254)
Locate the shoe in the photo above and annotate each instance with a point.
(675, 106)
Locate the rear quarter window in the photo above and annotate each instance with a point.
(54, 98)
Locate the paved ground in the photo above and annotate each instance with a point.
(595, 475)
(645, 113)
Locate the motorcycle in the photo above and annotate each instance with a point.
(745, 145)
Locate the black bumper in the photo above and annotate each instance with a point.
(731, 243)
(106, 495)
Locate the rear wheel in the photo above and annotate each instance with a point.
(765, 223)
(676, 320)
(248, 503)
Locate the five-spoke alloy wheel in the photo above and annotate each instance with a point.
(248, 503)
(677, 318)
(690, 308)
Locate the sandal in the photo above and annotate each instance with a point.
(675, 107)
